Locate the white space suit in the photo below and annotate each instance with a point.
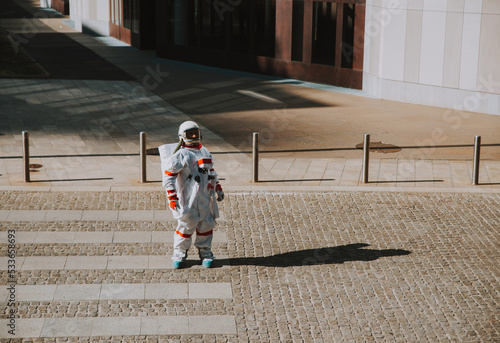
(193, 190)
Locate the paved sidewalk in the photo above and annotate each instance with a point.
(361, 267)
(85, 132)
(310, 254)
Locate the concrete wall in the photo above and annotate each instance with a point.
(90, 16)
(45, 3)
(442, 53)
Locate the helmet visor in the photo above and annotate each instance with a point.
(192, 135)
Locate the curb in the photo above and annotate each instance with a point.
(254, 189)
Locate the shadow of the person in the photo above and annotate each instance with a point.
(328, 255)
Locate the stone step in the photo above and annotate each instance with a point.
(88, 215)
(119, 326)
(99, 237)
(118, 291)
(99, 262)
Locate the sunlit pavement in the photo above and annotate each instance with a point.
(292, 267)
(308, 254)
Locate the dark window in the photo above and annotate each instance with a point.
(240, 27)
(178, 22)
(297, 30)
(127, 11)
(170, 17)
(211, 20)
(246, 26)
(135, 16)
(348, 36)
(116, 12)
(265, 27)
(324, 32)
(131, 15)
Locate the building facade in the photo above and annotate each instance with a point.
(61, 6)
(442, 53)
(319, 41)
(90, 16)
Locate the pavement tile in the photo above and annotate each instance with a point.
(4, 214)
(77, 292)
(53, 215)
(135, 215)
(93, 237)
(116, 326)
(132, 237)
(159, 262)
(25, 327)
(54, 237)
(167, 291)
(164, 325)
(424, 174)
(162, 236)
(21, 215)
(30, 293)
(67, 327)
(387, 175)
(128, 262)
(406, 173)
(23, 237)
(86, 262)
(442, 171)
(351, 174)
(210, 290)
(163, 216)
(43, 262)
(99, 215)
(122, 291)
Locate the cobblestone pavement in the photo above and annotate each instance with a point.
(302, 267)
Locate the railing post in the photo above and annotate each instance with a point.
(143, 156)
(255, 157)
(366, 157)
(477, 153)
(26, 155)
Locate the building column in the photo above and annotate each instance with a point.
(359, 36)
(283, 43)
(308, 32)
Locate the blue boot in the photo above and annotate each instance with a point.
(207, 262)
(177, 264)
(206, 257)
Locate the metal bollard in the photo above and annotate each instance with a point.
(477, 153)
(142, 154)
(26, 155)
(255, 156)
(366, 157)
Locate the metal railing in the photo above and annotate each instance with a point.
(255, 158)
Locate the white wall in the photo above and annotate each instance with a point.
(45, 3)
(90, 16)
(443, 53)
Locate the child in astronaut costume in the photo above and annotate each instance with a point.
(192, 190)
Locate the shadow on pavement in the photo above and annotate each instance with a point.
(11, 10)
(405, 181)
(63, 180)
(296, 180)
(311, 257)
(64, 58)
